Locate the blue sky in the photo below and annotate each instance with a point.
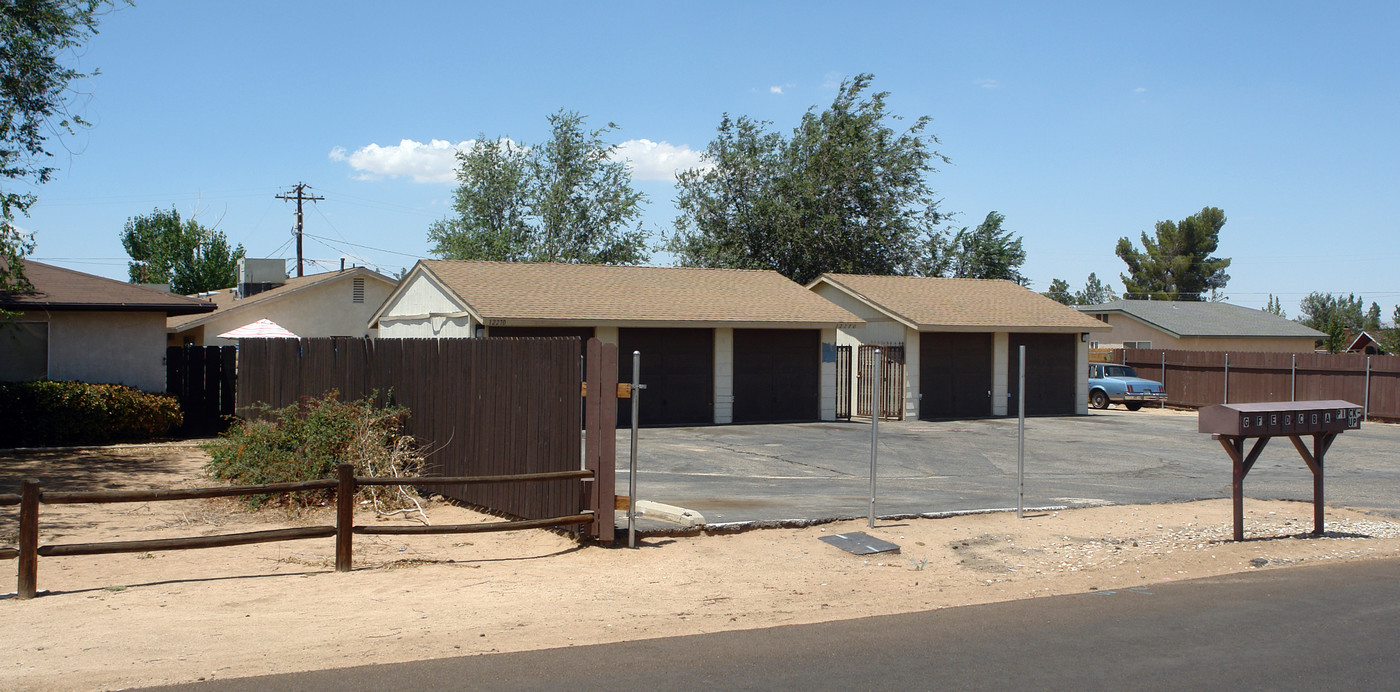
(1081, 125)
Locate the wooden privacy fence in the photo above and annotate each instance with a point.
(482, 407)
(204, 379)
(346, 484)
(1203, 378)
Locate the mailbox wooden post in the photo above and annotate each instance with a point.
(1232, 424)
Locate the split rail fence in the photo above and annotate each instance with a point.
(345, 485)
(1202, 378)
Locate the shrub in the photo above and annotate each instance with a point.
(48, 413)
(306, 441)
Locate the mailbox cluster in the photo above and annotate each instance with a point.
(1282, 418)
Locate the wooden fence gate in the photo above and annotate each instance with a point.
(484, 407)
(843, 382)
(891, 381)
(204, 379)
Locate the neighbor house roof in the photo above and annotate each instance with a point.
(539, 293)
(228, 302)
(1200, 319)
(56, 288)
(930, 303)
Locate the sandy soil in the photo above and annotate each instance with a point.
(117, 621)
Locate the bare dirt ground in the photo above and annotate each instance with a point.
(115, 621)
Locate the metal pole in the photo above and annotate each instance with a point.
(1227, 378)
(1366, 405)
(1162, 403)
(632, 453)
(875, 411)
(1021, 434)
(1293, 379)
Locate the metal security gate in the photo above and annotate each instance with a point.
(891, 381)
(843, 383)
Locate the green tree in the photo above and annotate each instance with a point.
(1095, 292)
(1059, 292)
(1333, 315)
(1372, 323)
(988, 252)
(566, 200)
(35, 103)
(492, 205)
(1177, 263)
(844, 193)
(1273, 307)
(167, 249)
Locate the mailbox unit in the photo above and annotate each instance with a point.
(1279, 418)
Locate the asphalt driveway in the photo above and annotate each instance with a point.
(821, 470)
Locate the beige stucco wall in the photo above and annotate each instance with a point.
(724, 375)
(326, 309)
(107, 347)
(1128, 329)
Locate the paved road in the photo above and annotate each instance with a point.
(821, 470)
(1307, 628)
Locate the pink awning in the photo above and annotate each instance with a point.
(262, 329)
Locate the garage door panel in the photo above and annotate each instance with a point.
(1050, 373)
(678, 368)
(955, 375)
(777, 375)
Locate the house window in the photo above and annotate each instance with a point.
(1137, 344)
(1093, 344)
(24, 351)
(357, 291)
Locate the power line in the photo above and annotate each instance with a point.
(300, 189)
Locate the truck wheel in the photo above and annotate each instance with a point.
(1133, 405)
(1098, 399)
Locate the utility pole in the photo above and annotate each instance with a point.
(300, 190)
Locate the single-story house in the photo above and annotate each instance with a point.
(960, 339)
(76, 326)
(1200, 326)
(1362, 342)
(335, 303)
(717, 345)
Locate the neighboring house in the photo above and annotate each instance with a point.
(1364, 343)
(336, 303)
(717, 345)
(1200, 326)
(76, 326)
(960, 339)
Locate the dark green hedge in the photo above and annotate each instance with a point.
(74, 413)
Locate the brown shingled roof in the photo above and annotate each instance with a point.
(56, 288)
(934, 302)
(615, 294)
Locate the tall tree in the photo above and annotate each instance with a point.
(844, 193)
(35, 102)
(1372, 322)
(167, 249)
(988, 252)
(1333, 315)
(1095, 292)
(1177, 263)
(492, 204)
(567, 200)
(1059, 292)
(1273, 307)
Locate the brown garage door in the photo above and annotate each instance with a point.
(678, 368)
(955, 375)
(777, 375)
(1050, 380)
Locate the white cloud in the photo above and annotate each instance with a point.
(434, 162)
(988, 83)
(1139, 90)
(656, 160)
(775, 90)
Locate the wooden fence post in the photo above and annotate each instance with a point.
(28, 538)
(344, 516)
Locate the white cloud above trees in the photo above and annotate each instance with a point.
(436, 161)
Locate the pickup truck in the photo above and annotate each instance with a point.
(1119, 384)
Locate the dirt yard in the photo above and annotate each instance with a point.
(116, 621)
